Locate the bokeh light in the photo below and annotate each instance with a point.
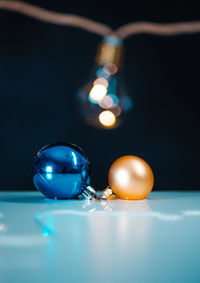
(110, 68)
(117, 110)
(101, 74)
(101, 81)
(106, 102)
(107, 118)
(103, 100)
(98, 92)
(114, 98)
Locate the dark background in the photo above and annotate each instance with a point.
(43, 65)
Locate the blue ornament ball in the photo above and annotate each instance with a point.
(61, 171)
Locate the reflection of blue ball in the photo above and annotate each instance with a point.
(61, 171)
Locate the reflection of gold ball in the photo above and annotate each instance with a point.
(130, 177)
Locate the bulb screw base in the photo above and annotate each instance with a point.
(88, 193)
(110, 51)
(107, 194)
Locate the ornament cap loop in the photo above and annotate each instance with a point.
(89, 193)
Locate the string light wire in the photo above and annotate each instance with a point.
(55, 17)
(167, 29)
(162, 29)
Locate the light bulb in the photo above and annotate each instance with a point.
(104, 101)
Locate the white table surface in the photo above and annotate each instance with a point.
(152, 240)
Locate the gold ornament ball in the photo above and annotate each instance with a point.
(130, 177)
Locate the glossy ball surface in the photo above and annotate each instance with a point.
(61, 171)
(130, 177)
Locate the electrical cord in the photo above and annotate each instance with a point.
(55, 17)
(162, 29)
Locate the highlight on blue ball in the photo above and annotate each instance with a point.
(61, 171)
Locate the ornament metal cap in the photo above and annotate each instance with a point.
(108, 194)
(89, 193)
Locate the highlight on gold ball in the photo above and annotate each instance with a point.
(130, 178)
